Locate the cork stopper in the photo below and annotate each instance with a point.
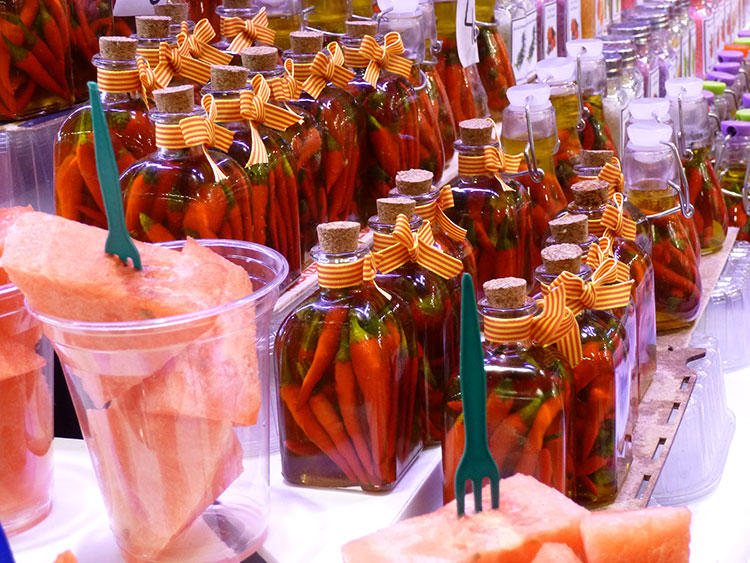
(306, 42)
(257, 59)
(389, 208)
(238, 4)
(177, 99)
(338, 237)
(152, 27)
(476, 132)
(117, 48)
(357, 29)
(414, 181)
(177, 12)
(573, 229)
(595, 159)
(227, 77)
(505, 293)
(560, 258)
(590, 193)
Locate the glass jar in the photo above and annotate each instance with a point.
(705, 47)
(651, 171)
(517, 25)
(731, 168)
(732, 93)
(89, 20)
(200, 9)
(677, 30)
(646, 61)
(739, 85)
(659, 42)
(495, 70)
(241, 11)
(689, 114)
(616, 101)
(78, 195)
(328, 16)
(152, 31)
(632, 79)
(283, 17)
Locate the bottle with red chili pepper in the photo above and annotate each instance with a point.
(381, 85)
(152, 31)
(427, 280)
(528, 394)
(88, 21)
(495, 70)
(495, 211)
(592, 84)
(242, 25)
(732, 170)
(689, 113)
(347, 375)
(547, 198)
(559, 73)
(200, 9)
(652, 170)
(77, 193)
(270, 215)
(601, 379)
(466, 93)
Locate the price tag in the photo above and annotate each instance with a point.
(573, 28)
(549, 28)
(466, 39)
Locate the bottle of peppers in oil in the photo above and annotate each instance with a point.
(495, 211)
(323, 79)
(382, 86)
(150, 32)
(732, 169)
(528, 395)
(495, 70)
(530, 111)
(269, 213)
(77, 193)
(601, 377)
(689, 113)
(652, 170)
(414, 269)
(242, 25)
(347, 375)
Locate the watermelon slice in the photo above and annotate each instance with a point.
(556, 553)
(650, 535)
(8, 216)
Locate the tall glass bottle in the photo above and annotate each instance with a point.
(705, 46)
(151, 31)
(518, 29)
(495, 70)
(732, 91)
(659, 42)
(616, 101)
(632, 79)
(647, 62)
(328, 16)
(234, 36)
(732, 169)
(283, 17)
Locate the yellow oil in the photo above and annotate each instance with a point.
(543, 149)
(283, 26)
(445, 14)
(484, 11)
(330, 15)
(566, 112)
(362, 8)
(596, 106)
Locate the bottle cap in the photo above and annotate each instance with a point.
(238, 4)
(649, 108)
(719, 76)
(118, 48)
(556, 69)
(742, 115)
(228, 77)
(476, 132)
(746, 100)
(728, 67)
(614, 41)
(560, 258)
(595, 159)
(306, 42)
(649, 134)
(735, 127)
(570, 228)
(713, 86)
(505, 293)
(727, 56)
(177, 12)
(743, 33)
(152, 27)
(257, 59)
(590, 193)
(709, 97)
(389, 208)
(590, 49)
(357, 29)
(539, 94)
(742, 41)
(338, 237)
(613, 61)
(689, 86)
(744, 49)
(414, 181)
(176, 99)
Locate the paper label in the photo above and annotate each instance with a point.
(624, 116)
(693, 43)
(518, 47)
(684, 55)
(616, 10)
(671, 68)
(573, 23)
(602, 9)
(652, 89)
(549, 21)
(708, 43)
(466, 38)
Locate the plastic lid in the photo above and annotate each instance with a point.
(736, 127)
(716, 87)
(614, 63)
(718, 76)
(727, 56)
(743, 33)
(744, 49)
(742, 115)
(709, 96)
(589, 48)
(399, 7)
(650, 134)
(729, 67)
(649, 108)
(556, 69)
(517, 95)
(746, 100)
(742, 41)
(688, 86)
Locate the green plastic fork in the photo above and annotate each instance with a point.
(118, 242)
(476, 463)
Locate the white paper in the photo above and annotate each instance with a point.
(530, 29)
(653, 83)
(549, 33)
(624, 116)
(466, 39)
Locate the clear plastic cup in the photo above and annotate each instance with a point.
(26, 379)
(166, 408)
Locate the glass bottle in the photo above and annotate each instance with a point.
(88, 21)
(463, 84)
(78, 195)
(430, 299)
(232, 12)
(355, 423)
(595, 16)
(676, 31)
(528, 391)
(200, 9)
(362, 8)
(632, 79)
(690, 119)
(596, 134)
(732, 93)
(495, 70)
(177, 12)
(568, 24)
(731, 168)
(546, 24)
(739, 85)
(647, 62)
(518, 30)
(651, 171)
(560, 75)
(705, 48)
(545, 193)
(616, 101)
(283, 17)
(328, 16)
(391, 116)
(495, 213)
(152, 31)
(659, 42)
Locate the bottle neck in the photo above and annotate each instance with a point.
(544, 277)
(501, 321)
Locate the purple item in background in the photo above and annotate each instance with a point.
(729, 68)
(746, 100)
(709, 97)
(567, 12)
(731, 56)
(741, 128)
(719, 76)
(743, 33)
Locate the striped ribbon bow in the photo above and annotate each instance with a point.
(388, 57)
(602, 250)
(402, 246)
(118, 81)
(434, 212)
(327, 68)
(287, 86)
(340, 275)
(179, 62)
(602, 292)
(151, 55)
(202, 130)
(255, 108)
(245, 32)
(198, 45)
(556, 324)
(493, 161)
(146, 76)
(615, 221)
(612, 174)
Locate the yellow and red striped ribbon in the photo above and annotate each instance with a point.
(615, 220)
(402, 246)
(118, 81)
(493, 161)
(602, 250)
(602, 292)
(388, 57)
(245, 32)
(325, 69)
(146, 77)
(354, 59)
(340, 275)
(198, 45)
(151, 55)
(255, 109)
(434, 212)
(179, 62)
(300, 72)
(612, 174)
(287, 86)
(228, 109)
